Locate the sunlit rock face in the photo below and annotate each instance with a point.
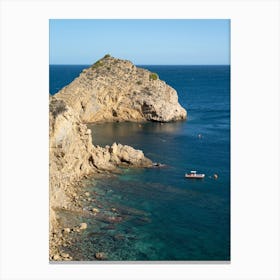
(116, 90)
(110, 90)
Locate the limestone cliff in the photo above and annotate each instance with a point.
(72, 154)
(109, 90)
(116, 90)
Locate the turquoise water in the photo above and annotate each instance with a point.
(157, 213)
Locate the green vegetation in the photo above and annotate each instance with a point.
(107, 55)
(57, 107)
(97, 64)
(139, 83)
(153, 76)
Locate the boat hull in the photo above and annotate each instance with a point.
(196, 176)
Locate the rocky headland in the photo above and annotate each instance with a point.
(116, 90)
(109, 90)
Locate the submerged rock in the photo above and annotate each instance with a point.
(109, 227)
(119, 237)
(100, 256)
(95, 210)
(83, 226)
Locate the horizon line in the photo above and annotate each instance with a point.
(151, 64)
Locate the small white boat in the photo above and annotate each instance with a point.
(194, 175)
(158, 164)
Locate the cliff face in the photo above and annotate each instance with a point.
(116, 90)
(110, 90)
(70, 148)
(72, 154)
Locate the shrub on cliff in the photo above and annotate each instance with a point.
(57, 106)
(153, 76)
(97, 64)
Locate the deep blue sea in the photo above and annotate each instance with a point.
(162, 215)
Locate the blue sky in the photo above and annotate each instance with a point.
(185, 42)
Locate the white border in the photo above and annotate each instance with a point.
(255, 138)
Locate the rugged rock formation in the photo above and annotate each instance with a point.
(72, 154)
(117, 155)
(110, 90)
(116, 90)
(70, 149)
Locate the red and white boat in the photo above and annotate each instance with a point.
(194, 175)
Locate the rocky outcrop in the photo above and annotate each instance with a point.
(109, 90)
(118, 155)
(72, 154)
(70, 149)
(116, 90)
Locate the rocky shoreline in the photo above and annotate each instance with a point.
(109, 90)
